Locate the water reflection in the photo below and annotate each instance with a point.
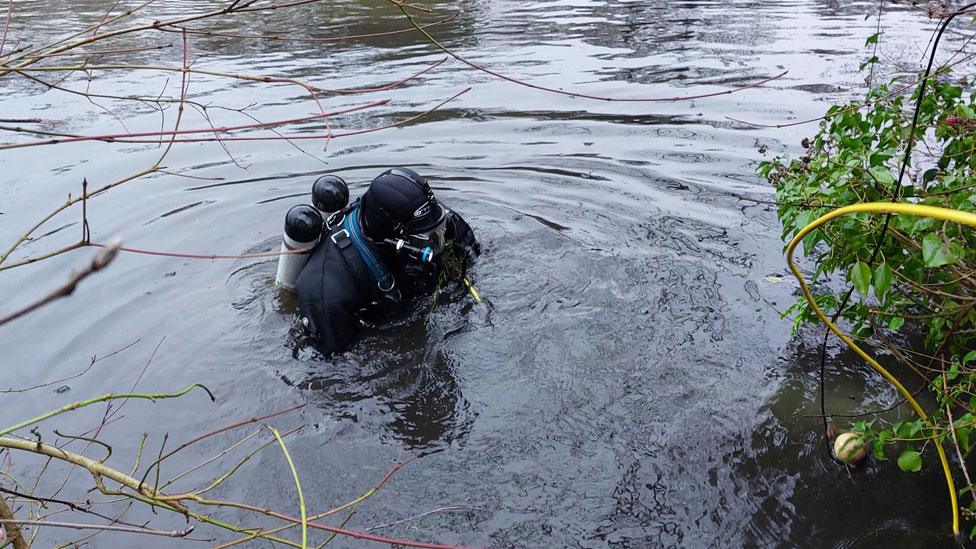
(398, 377)
(398, 381)
(863, 496)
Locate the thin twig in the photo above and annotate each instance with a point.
(103, 398)
(99, 262)
(69, 378)
(6, 25)
(226, 428)
(955, 440)
(78, 526)
(10, 527)
(421, 515)
(298, 485)
(289, 38)
(82, 508)
(124, 137)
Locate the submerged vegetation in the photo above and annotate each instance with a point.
(910, 142)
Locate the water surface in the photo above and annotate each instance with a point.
(628, 381)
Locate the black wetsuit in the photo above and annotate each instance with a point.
(336, 289)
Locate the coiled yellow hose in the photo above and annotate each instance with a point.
(916, 210)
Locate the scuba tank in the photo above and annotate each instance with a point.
(304, 225)
(330, 194)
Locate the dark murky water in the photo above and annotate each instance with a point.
(630, 383)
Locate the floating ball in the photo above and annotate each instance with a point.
(850, 448)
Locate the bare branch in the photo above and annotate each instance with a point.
(10, 527)
(421, 515)
(94, 360)
(77, 526)
(99, 262)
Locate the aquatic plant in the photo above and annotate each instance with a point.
(905, 274)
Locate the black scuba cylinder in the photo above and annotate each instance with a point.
(303, 227)
(329, 194)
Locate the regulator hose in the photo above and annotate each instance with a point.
(915, 210)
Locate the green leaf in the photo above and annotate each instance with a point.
(936, 252)
(880, 156)
(883, 175)
(882, 280)
(802, 220)
(873, 39)
(896, 323)
(910, 461)
(970, 356)
(860, 277)
(810, 241)
(878, 444)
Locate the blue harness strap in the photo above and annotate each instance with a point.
(374, 263)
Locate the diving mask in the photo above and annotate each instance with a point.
(435, 239)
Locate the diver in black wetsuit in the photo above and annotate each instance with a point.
(382, 250)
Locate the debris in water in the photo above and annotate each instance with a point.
(849, 448)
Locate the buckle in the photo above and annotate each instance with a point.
(385, 290)
(335, 220)
(337, 234)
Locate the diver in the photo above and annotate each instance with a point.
(393, 244)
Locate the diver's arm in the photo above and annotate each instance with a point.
(335, 327)
(461, 235)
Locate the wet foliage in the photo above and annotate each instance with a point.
(903, 274)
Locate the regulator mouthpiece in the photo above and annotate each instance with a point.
(330, 194)
(303, 227)
(423, 255)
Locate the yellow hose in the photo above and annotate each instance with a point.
(474, 292)
(916, 210)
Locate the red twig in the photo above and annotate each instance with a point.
(236, 425)
(269, 138)
(6, 25)
(203, 256)
(99, 262)
(298, 137)
(405, 121)
(217, 432)
(389, 86)
(105, 17)
(102, 53)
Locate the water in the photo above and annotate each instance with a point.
(627, 383)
